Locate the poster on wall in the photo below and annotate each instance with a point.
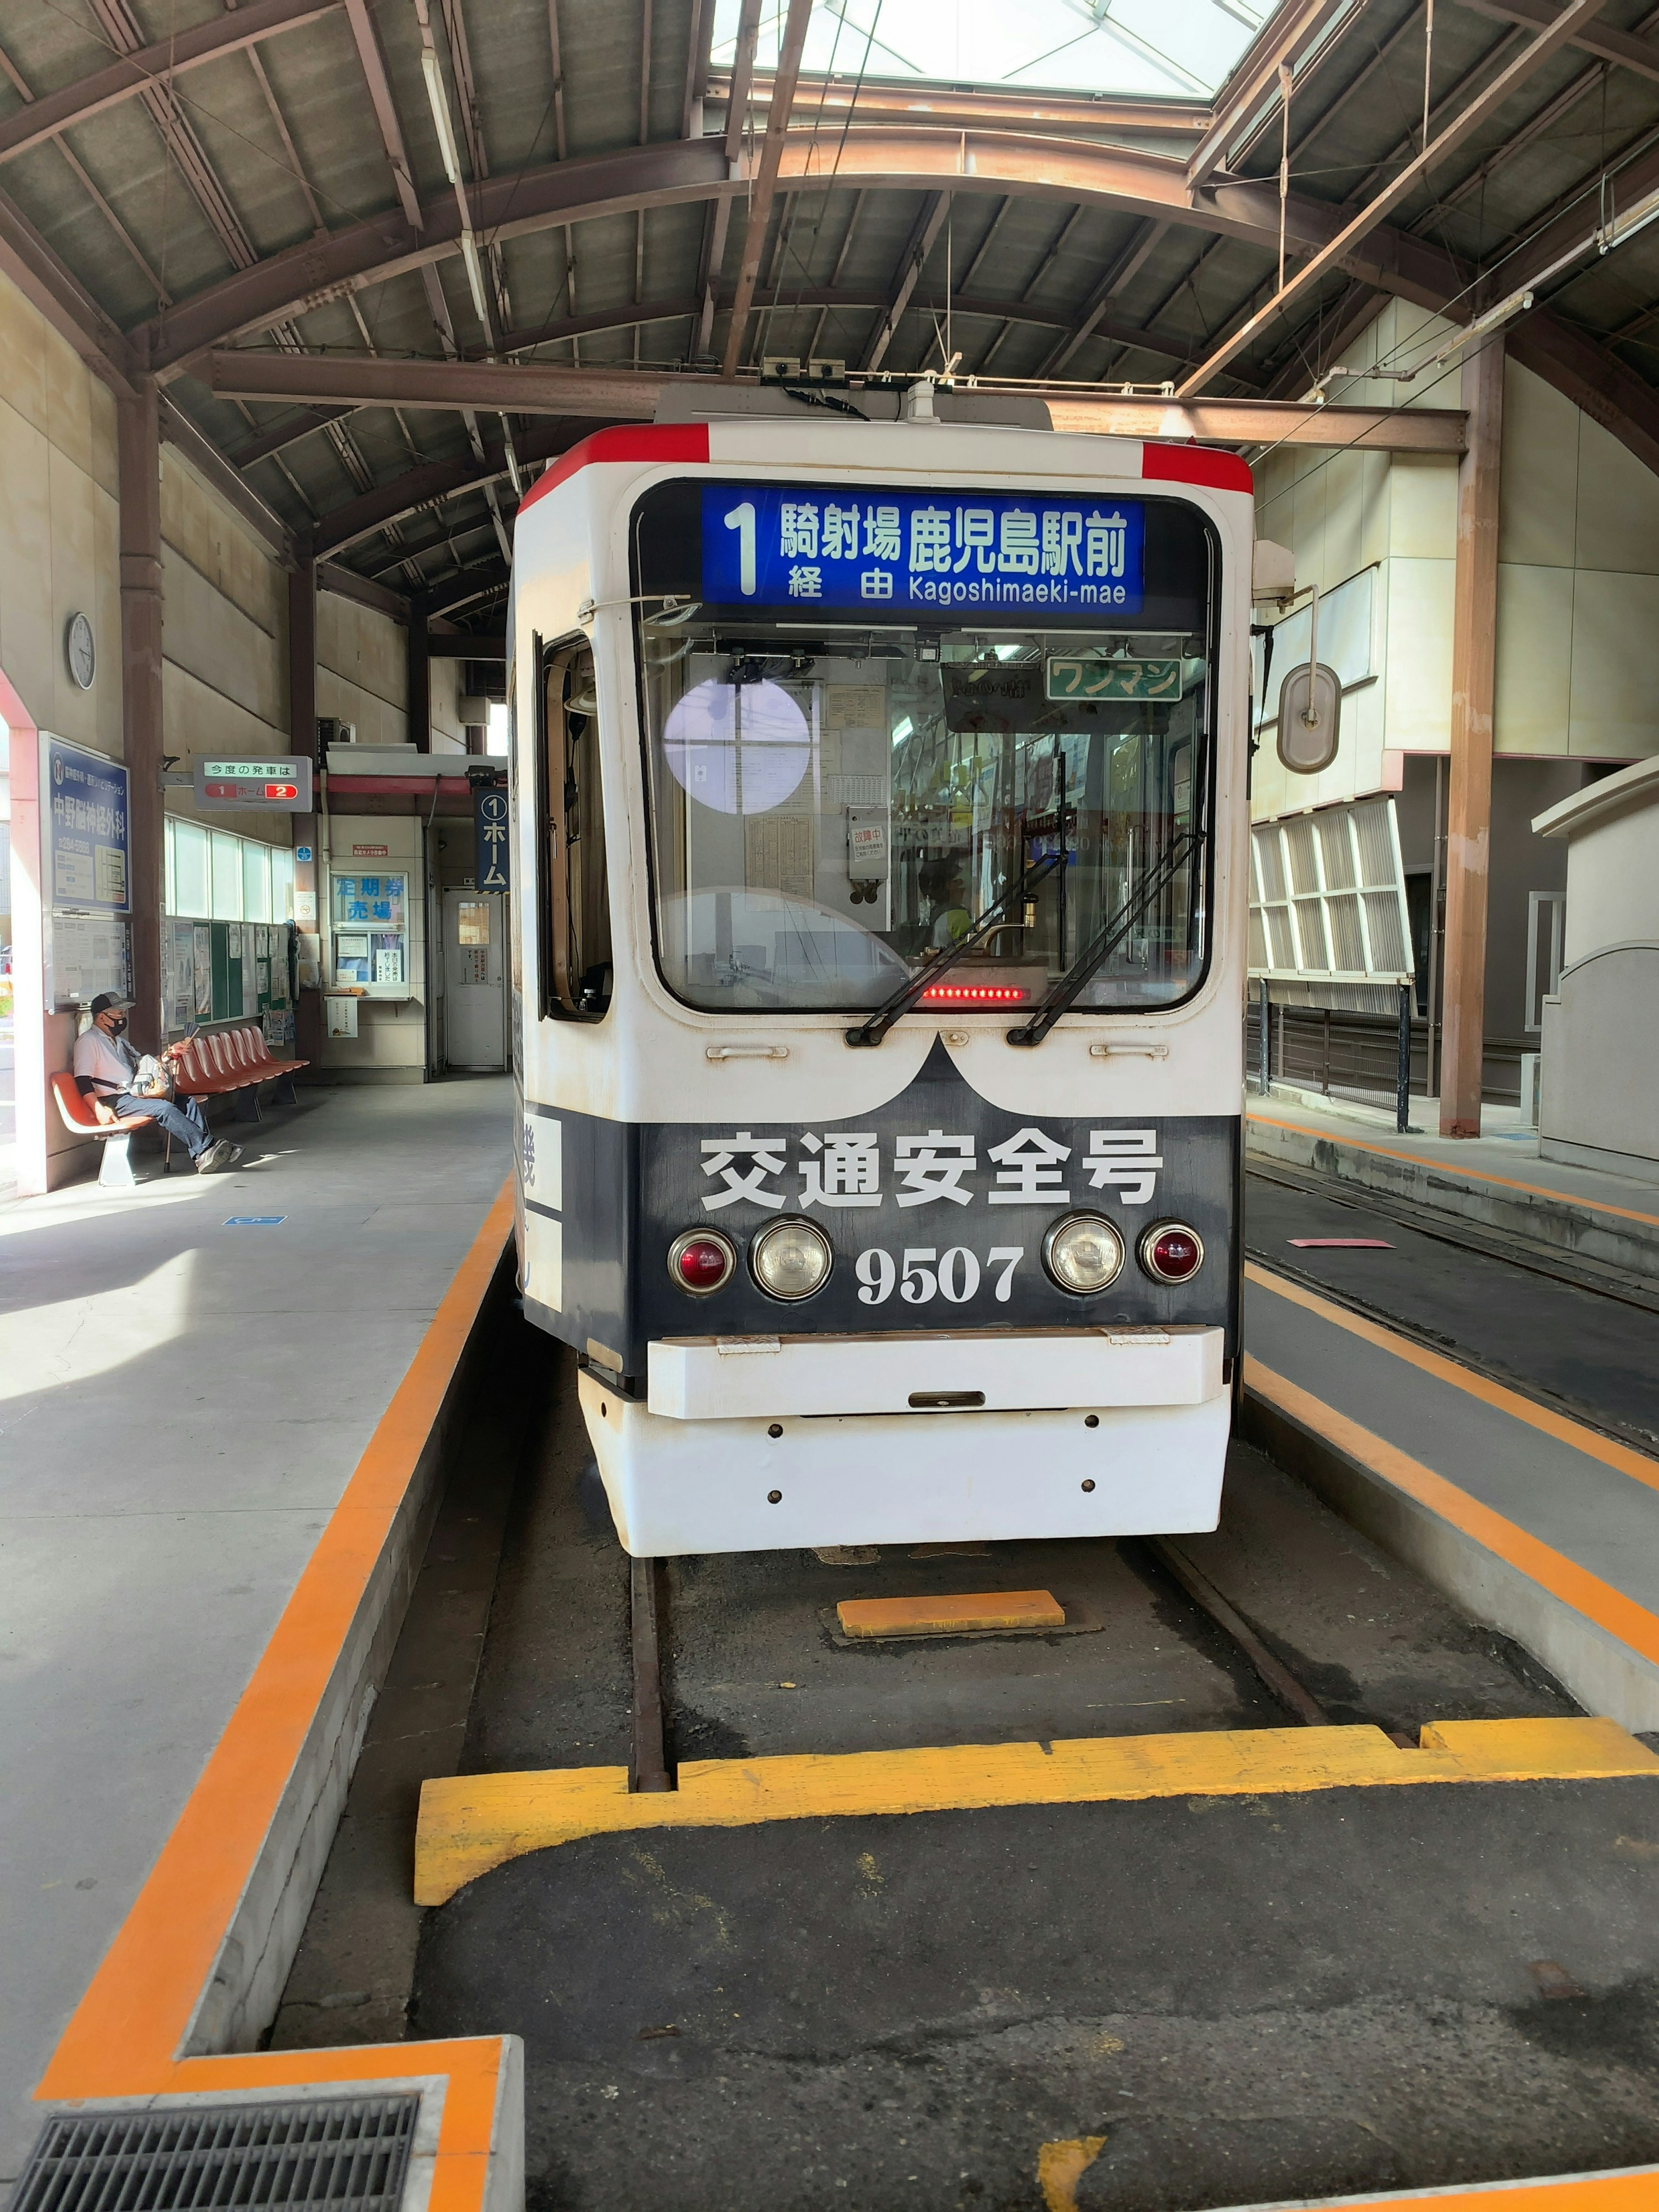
(179, 945)
(202, 961)
(86, 827)
(86, 953)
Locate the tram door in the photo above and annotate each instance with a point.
(474, 978)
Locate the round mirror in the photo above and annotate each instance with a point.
(1309, 719)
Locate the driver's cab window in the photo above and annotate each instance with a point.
(576, 972)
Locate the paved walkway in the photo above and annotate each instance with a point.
(181, 1404)
(1505, 1151)
(1570, 1507)
(1495, 1180)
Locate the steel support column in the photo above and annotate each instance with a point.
(302, 735)
(139, 463)
(1469, 828)
(420, 684)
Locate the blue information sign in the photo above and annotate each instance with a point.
(491, 829)
(86, 831)
(919, 553)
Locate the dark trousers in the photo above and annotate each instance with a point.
(181, 1118)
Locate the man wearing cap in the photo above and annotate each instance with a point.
(105, 1064)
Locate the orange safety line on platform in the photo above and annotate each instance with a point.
(1625, 1459)
(124, 2036)
(1636, 2188)
(1631, 1624)
(1474, 1174)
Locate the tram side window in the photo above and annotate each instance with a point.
(574, 932)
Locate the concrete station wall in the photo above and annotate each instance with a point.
(59, 555)
(225, 649)
(1578, 642)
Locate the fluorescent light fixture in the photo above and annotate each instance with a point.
(439, 100)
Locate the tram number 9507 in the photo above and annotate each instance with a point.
(925, 1273)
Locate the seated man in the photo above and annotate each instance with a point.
(105, 1064)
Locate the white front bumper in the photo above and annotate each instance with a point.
(757, 1485)
(701, 1378)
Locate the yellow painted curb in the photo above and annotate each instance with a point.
(471, 1823)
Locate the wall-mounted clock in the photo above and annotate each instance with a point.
(79, 651)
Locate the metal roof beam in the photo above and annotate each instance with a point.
(812, 298)
(834, 99)
(1598, 39)
(629, 395)
(677, 172)
(366, 39)
(1254, 80)
(766, 179)
(150, 66)
(924, 235)
(178, 431)
(1593, 378)
(288, 432)
(48, 286)
(1336, 255)
(430, 482)
(347, 584)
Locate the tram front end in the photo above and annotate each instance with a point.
(879, 832)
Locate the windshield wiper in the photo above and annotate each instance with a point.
(872, 1030)
(1066, 991)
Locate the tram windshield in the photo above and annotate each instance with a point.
(1020, 798)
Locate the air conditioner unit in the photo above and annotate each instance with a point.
(345, 733)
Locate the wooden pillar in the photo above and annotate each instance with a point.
(1468, 817)
(420, 684)
(139, 470)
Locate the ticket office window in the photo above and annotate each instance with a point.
(370, 916)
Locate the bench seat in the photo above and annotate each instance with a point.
(115, 1164)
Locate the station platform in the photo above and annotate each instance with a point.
(190, 1374)
(972, 1920)
(1498, 1182)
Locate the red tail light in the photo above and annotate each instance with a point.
(972, 994)
(701, 1261)
(1170, 1252)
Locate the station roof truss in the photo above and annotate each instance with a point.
(387, 257)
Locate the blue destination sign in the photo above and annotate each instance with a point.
(915, 553)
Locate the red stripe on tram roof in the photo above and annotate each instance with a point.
(1197, 465)
(631, 441)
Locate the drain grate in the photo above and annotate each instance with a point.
(334, 2155)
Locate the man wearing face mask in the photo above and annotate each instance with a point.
(105, 1064)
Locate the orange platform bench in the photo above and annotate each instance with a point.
(115, 1167)
(233, 1064)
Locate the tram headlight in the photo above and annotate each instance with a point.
(701, 1261)
(790, 1258)
(1083, 1252)
(1170, 1252)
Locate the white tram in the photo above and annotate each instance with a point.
(880, 806)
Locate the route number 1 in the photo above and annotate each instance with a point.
(742, 520)
(926, 1271)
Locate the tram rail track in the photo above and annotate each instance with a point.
(1386, 1313)
(651, 1767)
(1579, 1270)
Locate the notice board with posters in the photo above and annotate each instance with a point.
(87, 836)
(85, 828)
